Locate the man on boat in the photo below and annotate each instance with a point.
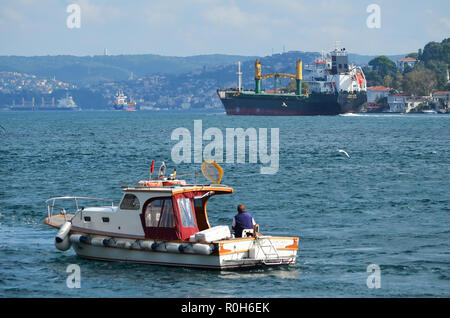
(242, 221)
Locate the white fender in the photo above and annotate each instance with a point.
(173, 247)
(204, 249)
(63, 245)
(78, 238)
(146, 244)
(63, 232)
(99, 241)
(123, 244)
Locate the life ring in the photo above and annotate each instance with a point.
(151, 183)
(174, 182)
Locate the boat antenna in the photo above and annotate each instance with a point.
(162, 170)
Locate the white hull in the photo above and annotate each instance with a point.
(222, 257)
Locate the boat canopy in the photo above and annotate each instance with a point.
(176, 213)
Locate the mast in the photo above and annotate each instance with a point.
(239, 73)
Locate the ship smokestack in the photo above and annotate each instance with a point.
(299, 76)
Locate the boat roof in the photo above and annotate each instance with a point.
(177, 189)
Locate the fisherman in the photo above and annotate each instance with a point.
(242, 221)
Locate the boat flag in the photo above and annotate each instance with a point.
(152, 168)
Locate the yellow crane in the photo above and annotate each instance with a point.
(259, 77)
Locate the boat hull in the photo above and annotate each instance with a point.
(291, 105)
(230, 254)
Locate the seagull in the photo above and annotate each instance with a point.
(343, 151)
(284, 104)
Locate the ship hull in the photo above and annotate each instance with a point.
(291, 105)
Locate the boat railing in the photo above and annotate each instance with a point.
(52, 205)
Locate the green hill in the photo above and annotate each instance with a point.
(91, 69)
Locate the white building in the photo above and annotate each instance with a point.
(401, 63)
(397, 103)
(375, 93)
(442, 99)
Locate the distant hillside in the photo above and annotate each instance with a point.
(92, 69)
(157, 81)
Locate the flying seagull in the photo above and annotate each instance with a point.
(345, 152)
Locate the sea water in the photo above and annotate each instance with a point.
(387, 204)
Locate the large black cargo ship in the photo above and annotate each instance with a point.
(334, 87)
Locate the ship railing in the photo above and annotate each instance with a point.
(53, 204)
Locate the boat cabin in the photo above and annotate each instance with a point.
(169, 213)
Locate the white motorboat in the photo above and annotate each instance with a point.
(163, 222)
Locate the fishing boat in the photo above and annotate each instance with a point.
(164, 221)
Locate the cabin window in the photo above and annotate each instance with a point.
(159, 213)
(186, 213)
(129, 202)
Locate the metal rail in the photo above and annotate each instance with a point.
(51, 203)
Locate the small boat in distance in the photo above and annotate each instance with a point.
(121, 103)
(164, 222)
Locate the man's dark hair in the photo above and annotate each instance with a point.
(241, 208)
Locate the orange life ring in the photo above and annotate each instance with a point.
(151, 183)
(173, 182)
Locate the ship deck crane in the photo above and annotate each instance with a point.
(259, 77)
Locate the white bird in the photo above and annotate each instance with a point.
(343, 151)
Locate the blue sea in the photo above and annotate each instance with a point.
(387, 204)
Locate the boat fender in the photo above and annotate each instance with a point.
(124, 244)
(63, 245)
(99, 241)
(79, 238)
(75, 238)
(85, 239)
(136, 244)
(204, 249)
(110, 242)
(155, 246)
(63, 232)
(173, 248)
(147, 244)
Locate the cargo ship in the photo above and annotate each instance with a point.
(121, 103)
(66, 103)
(334, 87)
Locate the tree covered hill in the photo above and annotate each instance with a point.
(92, 69)
(428, 74)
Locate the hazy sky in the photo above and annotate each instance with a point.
(244, 27)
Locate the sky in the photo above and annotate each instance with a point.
(239, 27)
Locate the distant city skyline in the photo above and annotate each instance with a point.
(196, 27)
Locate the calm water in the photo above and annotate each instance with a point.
(389, 204)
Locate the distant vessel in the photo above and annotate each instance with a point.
(120, 102)
(66, 103)
(335, 87)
